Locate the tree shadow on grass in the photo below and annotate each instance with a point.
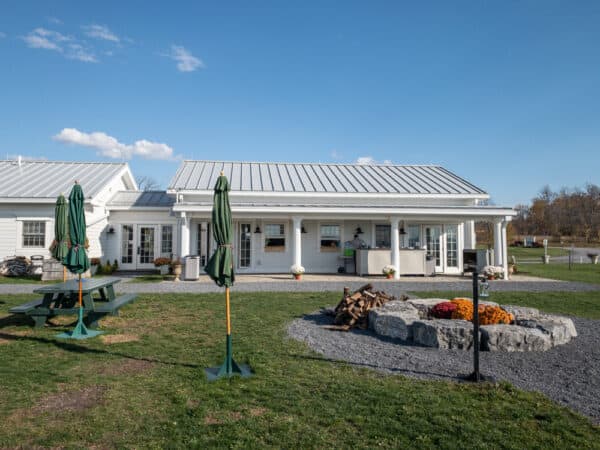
(79, 349)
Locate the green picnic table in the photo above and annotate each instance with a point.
(99, 300)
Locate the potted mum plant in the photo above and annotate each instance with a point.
(297, 270)
(389, 271)
(163, 265)
(493, 272)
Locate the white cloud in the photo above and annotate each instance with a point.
(80, 53)
(186, 62)
(366, 160)
(110, 147)
(46, 39)
(70, 47)
(101, 32)
(335, 155)
(54, 20)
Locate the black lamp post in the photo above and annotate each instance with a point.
(476, 376)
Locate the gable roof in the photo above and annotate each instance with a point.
(322, 178)
(43, 180)
(141, 199)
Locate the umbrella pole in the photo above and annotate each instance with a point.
(228, 339)
(64, 274)
(80, 331)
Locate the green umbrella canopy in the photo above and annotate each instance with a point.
(60, 246)
(220, 265)
(76, 260)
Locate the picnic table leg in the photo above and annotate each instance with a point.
(91, 321)
(39, 320)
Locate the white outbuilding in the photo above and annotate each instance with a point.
(327, 218)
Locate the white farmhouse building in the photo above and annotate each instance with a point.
(28, 192)
(417, 218)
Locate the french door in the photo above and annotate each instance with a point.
(433, 240)
(443, 245)
(139, 246)
(244, 245)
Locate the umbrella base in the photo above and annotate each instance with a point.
(80, 331)
(479, 378)
(229, 368)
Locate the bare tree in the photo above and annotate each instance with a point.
(146, 183)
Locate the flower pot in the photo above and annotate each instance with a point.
(593, 258)
(177, 272)
(164, 270)
(389, 276)
(546, 259)
(297, 276)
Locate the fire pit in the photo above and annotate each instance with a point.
(413, 321)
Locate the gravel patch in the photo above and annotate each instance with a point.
(568, 374)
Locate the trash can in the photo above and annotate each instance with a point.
(37, 262)
(192, 268)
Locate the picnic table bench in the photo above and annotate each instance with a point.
(98, 299)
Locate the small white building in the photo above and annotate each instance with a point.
(28, 193)
(283, 214)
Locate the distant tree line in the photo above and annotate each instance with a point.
(570, 214)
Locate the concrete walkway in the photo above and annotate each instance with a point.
(319, 283)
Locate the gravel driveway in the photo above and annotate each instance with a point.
(568, 374)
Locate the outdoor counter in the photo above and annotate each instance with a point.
(412, 261)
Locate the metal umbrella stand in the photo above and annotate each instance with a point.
(76, 260)
(60, 247)
(220, 269)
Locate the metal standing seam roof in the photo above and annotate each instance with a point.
(322, 178)
(142, 199)
(48, 179)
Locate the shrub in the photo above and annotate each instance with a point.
(162, 262)
(443, 310)
(492, 315)
(107, 269)
(488, 314)
(115, 265)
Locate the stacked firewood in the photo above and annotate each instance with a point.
(15, 267)
(353, 310)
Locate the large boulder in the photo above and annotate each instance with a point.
(559, 329)
(424, 305)
(511, 338)
(521, 312)
(443, 333)
(394, 319)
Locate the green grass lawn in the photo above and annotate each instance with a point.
(152, 278)
(581, 304)
(142, 386)
(535, 253)
(33, 279)
(587, 273)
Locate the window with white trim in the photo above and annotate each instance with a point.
(274, 237)
(330, 238)
(34, 234)
(414, 236)
(383, 236)
(166, 239)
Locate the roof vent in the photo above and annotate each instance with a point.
(19, 160)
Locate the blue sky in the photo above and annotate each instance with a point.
(506, 94)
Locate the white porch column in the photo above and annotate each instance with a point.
(395, 242)
(498, 243)
(297, 242)
(470, 239)
(504, 250)
(184, 236)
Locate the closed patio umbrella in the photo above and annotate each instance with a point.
(60, 247)
(220, 269)
(76, 260)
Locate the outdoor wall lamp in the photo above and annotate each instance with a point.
(111, 230)
(303, 230)
(358, 231)
(257, 230)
